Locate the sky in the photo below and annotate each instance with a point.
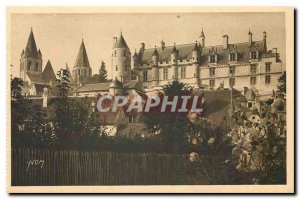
(59, 35)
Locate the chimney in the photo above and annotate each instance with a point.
(115, 39)
(142, 47)
(265, 41)
(163, 45)
(249, 38)
(225, 42)
(245, 90)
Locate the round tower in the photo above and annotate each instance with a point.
(121, 60)
(202, 39)
(195, 58)
(174, 62)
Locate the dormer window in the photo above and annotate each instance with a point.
(253, 55)
(213, 59)
(232, 57)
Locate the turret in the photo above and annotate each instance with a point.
(195, 53)
(196, 59)
(121, 60)
(174, 57)
(202, 39)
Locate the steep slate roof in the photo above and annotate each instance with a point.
(116, 84)
(31, 49)
(48, 73)
(216, 105)
(82, 58)
(237, 96)
(93, 87)
(185, 52)
(250, 95)
(35, 78)
(134, 84)
(121, 43)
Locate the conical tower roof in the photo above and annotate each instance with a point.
(31, 49)
(68, 69)
(202, 33)
(82, 58)
(48, 73)
(121, 43)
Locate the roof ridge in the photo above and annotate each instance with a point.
(204, 47)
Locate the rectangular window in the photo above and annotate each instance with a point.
(232, 70)
(145, 76)
(212, 72)
(165, 74)
(252, 80)
(253, 55)
(212, 83)
(212, 58)
(115, 53)
(268, 66)
(36, 66)
(183, 70)
(29, 65)
(232, 82)
(124, 53)
(253, 69)
(268, 79)
(116, 67)
(232, 57)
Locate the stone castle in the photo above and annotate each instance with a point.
(230, 65)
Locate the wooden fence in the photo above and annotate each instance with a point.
(70, 167)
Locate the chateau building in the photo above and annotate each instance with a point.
(230, 65)
(233, 65)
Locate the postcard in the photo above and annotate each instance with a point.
(150, 100)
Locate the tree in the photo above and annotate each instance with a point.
(102, 73)
(282, 83)
(62, 113)
(172, 125)
(20, 108)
